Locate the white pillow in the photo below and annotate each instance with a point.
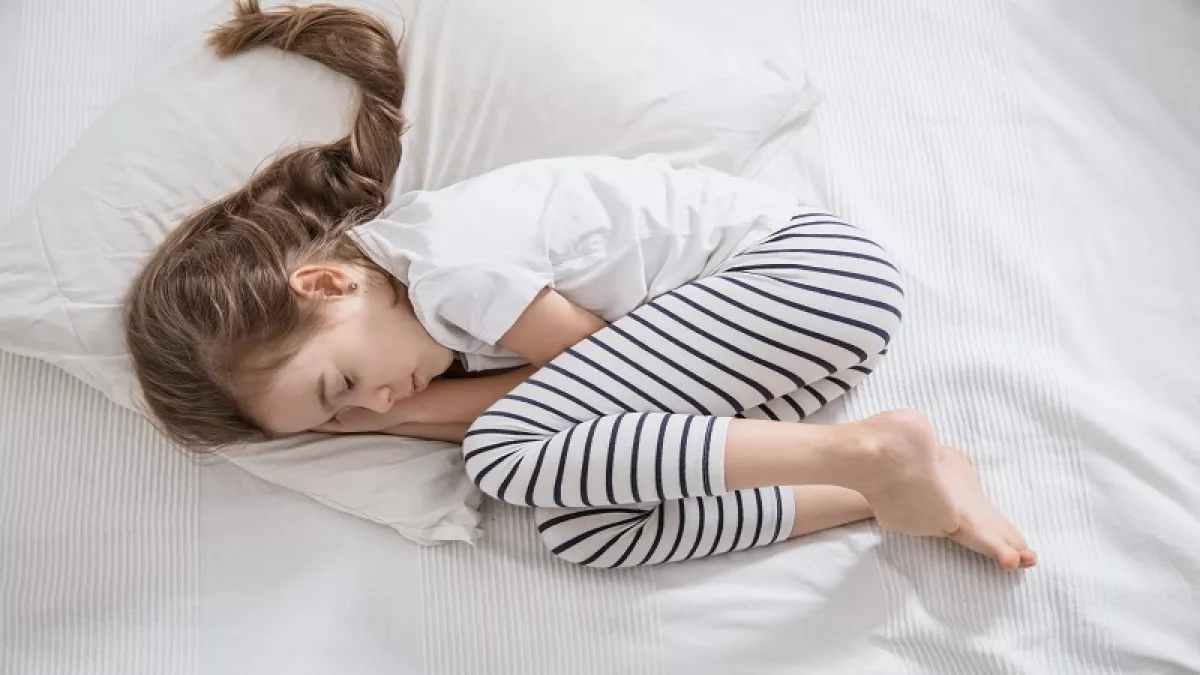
(489, 84)
(418, 488)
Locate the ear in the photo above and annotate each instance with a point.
(322, 281)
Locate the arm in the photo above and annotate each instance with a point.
(448, 401)
(450, 432)
(548, 327)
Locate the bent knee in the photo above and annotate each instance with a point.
(600, 537)
(491, 453)
(882, 289)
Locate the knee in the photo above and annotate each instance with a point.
(885, 292)
(575, 555)
(600, 538)
(489, 454)
(881, 264)
(579, 554)
(474, 465)
(889, 319)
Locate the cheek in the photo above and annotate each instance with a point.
(392, 341)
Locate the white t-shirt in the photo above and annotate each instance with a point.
(608, 234)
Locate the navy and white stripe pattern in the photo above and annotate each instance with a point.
(621, 440)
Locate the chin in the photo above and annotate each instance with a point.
(447, 361)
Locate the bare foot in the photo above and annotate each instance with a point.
(903, 480)
(982, 528)
(917, 487)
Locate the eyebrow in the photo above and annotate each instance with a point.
(321, 393)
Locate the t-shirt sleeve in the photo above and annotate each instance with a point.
(473, 256)
(477, 303)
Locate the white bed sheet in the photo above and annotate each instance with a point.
(1034, 164)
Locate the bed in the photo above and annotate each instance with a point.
(1035, 167)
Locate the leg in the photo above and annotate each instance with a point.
(651, 360)
(588, 429)
(683, 528)
(823, 507)
(663, 383)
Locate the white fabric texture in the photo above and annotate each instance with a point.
(196, 128)
(609, 234)
(1032, 164)
(417, 489)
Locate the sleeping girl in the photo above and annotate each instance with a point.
(643, 342)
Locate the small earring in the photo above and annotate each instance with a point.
(353, 286)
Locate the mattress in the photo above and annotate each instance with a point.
(1032, 163)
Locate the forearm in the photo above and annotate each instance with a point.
(460, 401)
(450, 432)
(445, 410)
(550, 326)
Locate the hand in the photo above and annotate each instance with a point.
(362, 420)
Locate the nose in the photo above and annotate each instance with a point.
(380, 400)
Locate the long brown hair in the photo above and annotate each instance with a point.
(215, 297)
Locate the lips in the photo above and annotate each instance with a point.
(418, 384)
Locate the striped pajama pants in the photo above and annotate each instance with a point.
(620, 440)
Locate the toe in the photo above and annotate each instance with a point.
(989, 544)
(1027, 558)
(1007, 556)
(1014, 538)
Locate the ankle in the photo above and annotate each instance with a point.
(856, 449)
(761, 453)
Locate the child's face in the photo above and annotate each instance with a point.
(370, 353)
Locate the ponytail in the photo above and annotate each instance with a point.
(358, 169)
(215, 302)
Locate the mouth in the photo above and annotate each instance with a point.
(418, 385)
